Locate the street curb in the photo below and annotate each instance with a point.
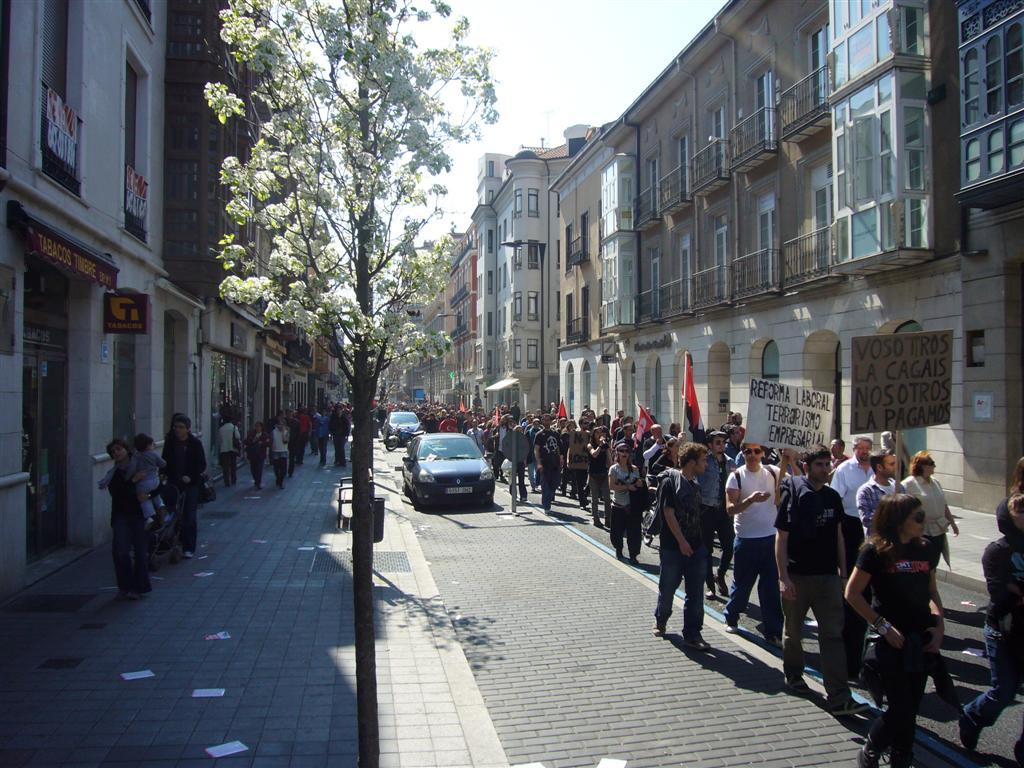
(959, 580)
(482, 740)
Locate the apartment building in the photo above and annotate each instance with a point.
(521, 311)
(462, 297)
(84, 350)
(771, 196)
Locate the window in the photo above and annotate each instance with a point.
(531, 305)
(568, 312)
(972, 99)
(490, 361)
(558, 254)
(913, 149)
(584, 231)
(972, 160)
(558, 305)
(684, 260)
(533, 202)
(1016, 144)
(490, 323)
(490, 241)
(721, 227)
(1014, 66)
(912, 30)
(517, 257)
(821, 182)
(517, 306)
(770, 361)
(490, 196)
(517, 211)
(490, 169)
(531, 353)
(766, 222)
(517, 358)
(131, 96)
(185, 35)
(995, 151)
(504, 275)
(993, 76)
(183, 131)
(490, 282)
(55, 46)
(533, 255)
(183, 180)
(917, 220)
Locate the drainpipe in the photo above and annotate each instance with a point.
(734, 186)
(694, 246)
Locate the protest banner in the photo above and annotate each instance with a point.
(901, 381)
(783, 416)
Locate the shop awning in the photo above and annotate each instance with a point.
(500, 385)
(61, 249)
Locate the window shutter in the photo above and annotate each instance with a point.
(55, 45)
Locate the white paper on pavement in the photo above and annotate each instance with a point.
(784, 416)
(142, 674)
(529, 765)
(218, 636)
(306, 549)
(208, 693)
(223, 750)
(259, 541)
(203, 574)
(608, 762)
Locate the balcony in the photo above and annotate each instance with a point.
(460, 295)
(577, 330)
(675, 189)
(617, 315)
(461, 331)
(647, 208)
(675, 298)
(753, 140)
(648, 305)
(804, 108)
(756, 274)
(807, 258)
(578, 253)
(710, 167)
(711, 287)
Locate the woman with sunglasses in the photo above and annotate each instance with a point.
(906, 611)
(624, 480)
(937, 518)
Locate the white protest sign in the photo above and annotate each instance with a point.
(783, 416)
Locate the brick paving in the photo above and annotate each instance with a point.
(558, 636)
(288, 667)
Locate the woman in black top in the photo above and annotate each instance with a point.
(906, 612)
(130, 542)
(599, 449)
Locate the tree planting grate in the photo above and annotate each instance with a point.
(221, 514)
(49, 603)
(384, 561)
(60, 663)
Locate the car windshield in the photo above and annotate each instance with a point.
(404, 419)
(448, 450)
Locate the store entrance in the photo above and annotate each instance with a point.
(44, 449)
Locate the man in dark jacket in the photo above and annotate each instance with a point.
(340, 428)
(1003, 564)
(186, 463)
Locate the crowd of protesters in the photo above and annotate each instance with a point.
(821, 531)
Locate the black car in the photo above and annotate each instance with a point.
(443, 468)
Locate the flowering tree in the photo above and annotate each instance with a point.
(352, 118)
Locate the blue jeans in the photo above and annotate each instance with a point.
(676, 568)
(531, 468)
(548, 485)
(130, 549)
(1007, 675)
(755, 561)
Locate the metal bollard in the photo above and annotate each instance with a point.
(378, 519)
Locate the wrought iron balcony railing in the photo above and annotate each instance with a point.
(710, 287)
(675, 189)
(711, 167)
(577, 330)
(647, 207)
(753, 139)
(755, 273)
(804, 107)
(807, 257)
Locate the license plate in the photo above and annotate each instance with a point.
(459, 489)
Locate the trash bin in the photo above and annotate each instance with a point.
(378, 519)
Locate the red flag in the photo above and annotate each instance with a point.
(690, 405)
(562, 413)
(644, 422)
(462, 406)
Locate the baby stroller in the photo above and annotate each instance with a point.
(164, 542)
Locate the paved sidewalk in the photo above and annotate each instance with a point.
(280, 585)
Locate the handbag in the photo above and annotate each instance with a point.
(207, 492)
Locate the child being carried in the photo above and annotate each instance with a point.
(144, 468)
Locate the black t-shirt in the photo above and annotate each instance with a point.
(684, 497)
(812, 520)
(598, 466)
(902, 587)
(550, 449)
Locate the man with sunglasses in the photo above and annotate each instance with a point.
(714, 519)
(752, 495)
(882, 483)
(811, 557)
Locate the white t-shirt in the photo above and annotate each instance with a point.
(847, 480)
(759, 519)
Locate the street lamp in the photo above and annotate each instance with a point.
(541, 248)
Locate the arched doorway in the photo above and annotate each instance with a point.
(586, 394)
(823, 371)
(719, 382)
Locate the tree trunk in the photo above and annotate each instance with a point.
(362, 561)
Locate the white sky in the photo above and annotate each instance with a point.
(562, 62)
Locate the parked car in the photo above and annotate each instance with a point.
(400, 428)
(443, 468)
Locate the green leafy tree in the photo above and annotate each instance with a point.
(352, 115)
